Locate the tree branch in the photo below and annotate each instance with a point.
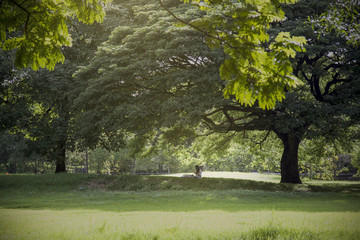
(298, 66)
(333, 66)
(223, 142)
(313, 60)
(23, 2)
(261, 141)
(27, 12)
(222, 127)
(46, 113)
(221, 41)
(228, 117)
(316, 83)
(331, 83)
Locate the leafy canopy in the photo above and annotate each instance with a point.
(343, 17)
(149, 75)
(38, 30)
(256, 68)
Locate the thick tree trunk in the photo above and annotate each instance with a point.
(60, 159)
(289, 159)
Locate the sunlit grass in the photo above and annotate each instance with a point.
(255, 176)
(271, 177)
(77, 224)
(141, 207)
(266, 177)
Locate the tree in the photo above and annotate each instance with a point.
(38, 29)
(240, 28)
(153, 77)
(162, 50)
(39, 104)
(343, 18)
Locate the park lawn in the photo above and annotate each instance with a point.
(211, 224)
(72, 207)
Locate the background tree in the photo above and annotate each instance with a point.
(343, 18)
(41, 102)
(14, 109)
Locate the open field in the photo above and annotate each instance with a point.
(136, 207)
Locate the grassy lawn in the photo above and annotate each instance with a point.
(136, 207)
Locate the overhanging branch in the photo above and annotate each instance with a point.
(221, 41)
(26, 11)
(261, 141)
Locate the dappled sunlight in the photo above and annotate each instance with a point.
(266, 177)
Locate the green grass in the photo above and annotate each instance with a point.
(137, 207)
(81, 224)
(69, 182)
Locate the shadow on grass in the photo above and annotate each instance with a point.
(136, 183)
(156, 193)
(66, 182)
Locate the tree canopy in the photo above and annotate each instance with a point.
(256, 66)
(152, 77)
(342, 17)
(38, 29)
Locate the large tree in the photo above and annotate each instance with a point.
(153, 77)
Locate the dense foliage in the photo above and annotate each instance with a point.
(240, 29)
(38, 30)
(342, 17)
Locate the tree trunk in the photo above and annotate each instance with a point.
(289, 159)
(60, 159)
(134, 167)
(12, 167)
(86, 161)
(160, 168)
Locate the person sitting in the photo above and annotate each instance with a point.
(197, 173)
